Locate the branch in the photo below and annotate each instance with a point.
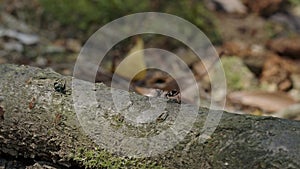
(39, 122)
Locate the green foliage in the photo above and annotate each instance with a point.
(102, 159)
(294, 2)
(238, 76)
(82, 14)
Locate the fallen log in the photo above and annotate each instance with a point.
(39, 122)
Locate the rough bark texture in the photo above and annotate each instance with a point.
(40, 124)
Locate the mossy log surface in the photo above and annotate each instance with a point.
(40, 123)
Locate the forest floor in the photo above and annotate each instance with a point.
(260, 53)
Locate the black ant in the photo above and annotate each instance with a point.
(174, 95)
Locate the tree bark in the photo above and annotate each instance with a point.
(39, 122)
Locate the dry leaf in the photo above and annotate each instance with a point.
(277, 70)
(285, 46)
(160, 80)
(291, 112)
(133, 66)
(149, 92)
(199, 69)
(267, 101)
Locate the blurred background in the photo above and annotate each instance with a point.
(258, 42)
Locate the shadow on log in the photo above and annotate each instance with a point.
(39, 123)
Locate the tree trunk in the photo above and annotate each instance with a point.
(40, 121)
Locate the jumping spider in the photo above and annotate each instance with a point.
(60, 87)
